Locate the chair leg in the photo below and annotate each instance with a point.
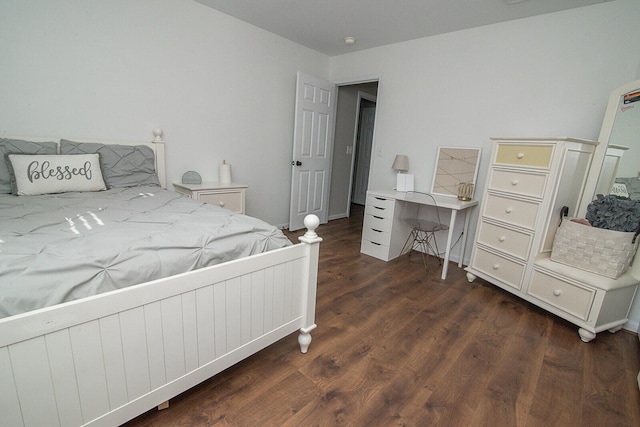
(412, 237)
(434, 248)
(425, 241)
(424, 244)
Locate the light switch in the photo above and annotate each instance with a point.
(349, 149)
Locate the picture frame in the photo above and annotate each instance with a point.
(455, 166)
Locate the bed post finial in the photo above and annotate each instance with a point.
(157, 133)
(311, 222)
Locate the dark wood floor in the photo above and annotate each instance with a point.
(397, 346)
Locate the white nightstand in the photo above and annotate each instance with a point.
(229, 196)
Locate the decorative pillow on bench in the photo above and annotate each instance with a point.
(34, 174)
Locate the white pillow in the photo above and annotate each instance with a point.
(46, 174)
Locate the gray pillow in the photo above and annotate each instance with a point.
(18, 146)
(122, 165)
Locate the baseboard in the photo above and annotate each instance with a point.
(631, 325)
(338, 216)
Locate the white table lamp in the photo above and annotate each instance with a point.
(404, 181)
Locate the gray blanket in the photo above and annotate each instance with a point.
(62, 247)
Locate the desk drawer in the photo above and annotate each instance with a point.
(566, 296)
(512, 242)
(379, 207)
(513, 211)
(538, 155)
(503, 269)
(376, 236)
(375, 250)
(528, 184)
(376, 223)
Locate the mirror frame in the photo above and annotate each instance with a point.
(603, 139)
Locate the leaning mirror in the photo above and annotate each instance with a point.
(616, 165)
(456, 170)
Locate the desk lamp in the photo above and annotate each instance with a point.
(404, 180)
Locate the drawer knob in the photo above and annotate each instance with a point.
(496, 266)
(520, 155)
(557, 292)
(221, 204)
(502, 238)
(514, 182)
(508, 210)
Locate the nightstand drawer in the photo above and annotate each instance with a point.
(512, 242)
(229, 200)
(519, 212)
(228, 195)
(503, 269)
(570, 298)
(538, 155)
(528, 184)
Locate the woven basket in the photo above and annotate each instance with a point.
(605, 252)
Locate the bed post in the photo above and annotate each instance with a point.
(312, 241)
(159, 157)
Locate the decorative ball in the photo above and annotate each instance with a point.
(191, 177)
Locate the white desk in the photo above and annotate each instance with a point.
(384, 232)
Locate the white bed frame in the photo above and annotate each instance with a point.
(106, 359)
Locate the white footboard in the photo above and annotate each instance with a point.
(104, 360)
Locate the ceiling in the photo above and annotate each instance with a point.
(322, 25)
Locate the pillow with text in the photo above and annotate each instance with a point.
(47, 174)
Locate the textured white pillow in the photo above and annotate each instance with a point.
(46, 174)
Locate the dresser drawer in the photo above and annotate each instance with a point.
(538, 155)
(512, 242)
(503, 269)
(519, 212)
(570, 298)
(528, 184)
(228, 200)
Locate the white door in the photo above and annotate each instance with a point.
(365, 142)
(312, 149)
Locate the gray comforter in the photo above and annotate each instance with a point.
(62, 247)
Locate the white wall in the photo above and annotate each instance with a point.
(220, 88)
(549, 75)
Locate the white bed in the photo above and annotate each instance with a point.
(104, 359)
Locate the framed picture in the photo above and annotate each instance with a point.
(455, 166)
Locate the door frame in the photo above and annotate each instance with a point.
(373, 98)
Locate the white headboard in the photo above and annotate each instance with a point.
(157, 145)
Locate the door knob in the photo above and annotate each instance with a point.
(296, 163)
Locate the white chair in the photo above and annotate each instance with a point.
(423, 231)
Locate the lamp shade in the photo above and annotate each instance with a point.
(401, 163)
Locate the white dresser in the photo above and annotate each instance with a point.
(529, 181)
